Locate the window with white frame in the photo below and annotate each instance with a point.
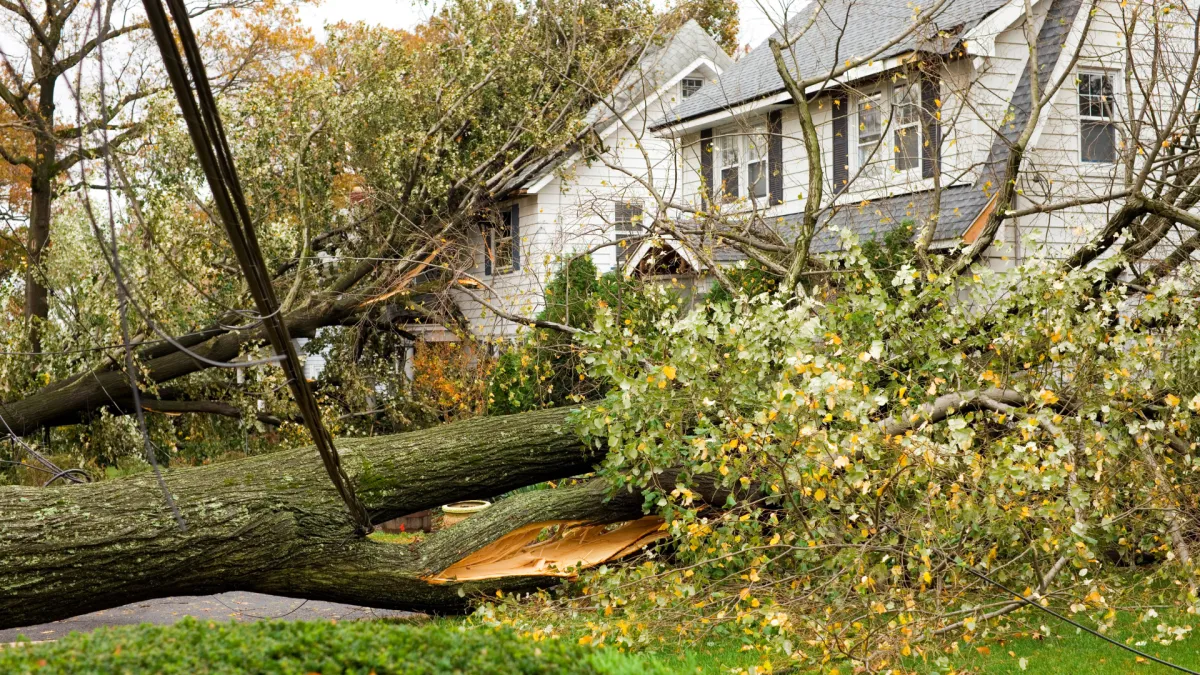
(742, 162)
(894, 110)
(729, 164)
(870, 128)
(1097, 127)
(756, 163)
(690, 85)
(906, 125)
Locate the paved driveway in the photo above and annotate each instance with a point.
(224, 607)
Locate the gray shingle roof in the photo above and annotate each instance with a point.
(960, 205)
(839, 30)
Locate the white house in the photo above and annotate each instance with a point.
(938, 107)
(571, 204)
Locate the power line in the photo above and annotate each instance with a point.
(199, 109)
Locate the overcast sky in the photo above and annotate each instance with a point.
(755, 26)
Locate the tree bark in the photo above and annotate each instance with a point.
(274, 523)
(37, 296)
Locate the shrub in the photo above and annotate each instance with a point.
(193, 646)
(544, 370)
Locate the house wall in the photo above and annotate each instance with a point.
(975, 95)
(1054, 171)
(516, 292)
(573, 213)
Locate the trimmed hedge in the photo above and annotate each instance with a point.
(328, 648)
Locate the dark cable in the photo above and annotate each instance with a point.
(199, 110)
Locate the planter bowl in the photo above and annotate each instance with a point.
(460, 511)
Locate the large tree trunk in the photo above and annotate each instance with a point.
(274, 524)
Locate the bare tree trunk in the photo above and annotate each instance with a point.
(37, 296)
(274, 524)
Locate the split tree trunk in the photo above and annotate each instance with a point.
(274, 524)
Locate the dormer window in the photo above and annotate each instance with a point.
(890, 114)
(690, 85)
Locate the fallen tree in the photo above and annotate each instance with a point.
(274, 524)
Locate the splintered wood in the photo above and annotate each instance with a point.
(574, 546)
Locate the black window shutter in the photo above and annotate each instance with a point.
(487, 229)
(931, 151)
(706, 164)
(516, 236)
(841, 141)
(775, 158)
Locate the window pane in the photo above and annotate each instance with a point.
(1096, 95)
(628, 220)
(907, 105)
(757, 176)
(908, 149)
(865, 153)
(870, 123)
(727, 146)
(756, 144)
(691, 85)
(729, 183)
(1098, 142)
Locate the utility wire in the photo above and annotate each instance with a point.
(1037, 605)
(199, 110)
(122, 293)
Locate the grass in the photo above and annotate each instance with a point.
(1064, 649)
(397, 538)
(713, 657)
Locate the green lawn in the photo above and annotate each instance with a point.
(1070, 651)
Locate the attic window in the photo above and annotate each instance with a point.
(690, 85)
(1097, 131)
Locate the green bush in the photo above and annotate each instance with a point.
(544, 369)
(327, 648)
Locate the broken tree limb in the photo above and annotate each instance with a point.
(77, 398)
(273, 523)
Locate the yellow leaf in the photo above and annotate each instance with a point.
(819, 495)
(669, 371)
